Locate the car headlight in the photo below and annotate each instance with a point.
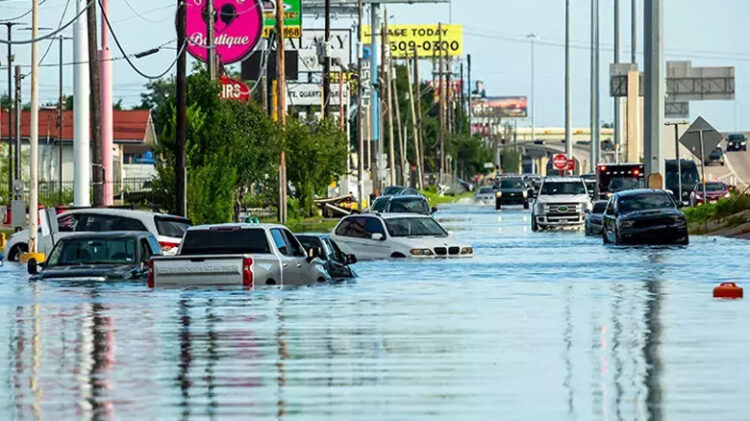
(627, 224)
(525, 194)
(467, 250)
(421, 252)
(499, 194)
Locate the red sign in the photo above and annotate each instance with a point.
(571, 165)
(234, 89)
(560, 162)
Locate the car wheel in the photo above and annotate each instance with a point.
(15, 253)
(397, 256)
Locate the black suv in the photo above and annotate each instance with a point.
(644, 216)
(512, 191)
(736, 142)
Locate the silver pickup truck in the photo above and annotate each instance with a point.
(237, 255)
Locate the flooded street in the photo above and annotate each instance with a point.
(549, 325)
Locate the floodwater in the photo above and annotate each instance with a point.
(549, 326)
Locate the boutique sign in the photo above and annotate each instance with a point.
(238, 27)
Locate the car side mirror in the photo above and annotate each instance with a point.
(351, 259)
(433, 209)
(32, 267)
(377, 236)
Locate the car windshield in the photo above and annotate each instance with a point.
(599, 207)
(410, 206)
(379, 205)
(624, 183)
(512, 183)
(563, 187)
(392, 190)
(171, 226)
(712, 187)
(70, 252)
(414, 227)
(485, 190)
(644, 202)
(735, 137)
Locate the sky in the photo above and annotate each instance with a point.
(708, 32)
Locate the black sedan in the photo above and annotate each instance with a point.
(511, 191)
(335, 261)
(112, 256)
(594, 218)
(644, 216)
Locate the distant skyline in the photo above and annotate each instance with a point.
(494, 34)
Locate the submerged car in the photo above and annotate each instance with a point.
(337, 263)
(113, 256)
(715, 190)
(402, 204)
(511, 191)
(594, 218)
(396, 235)
(484, 196)
(644, 216)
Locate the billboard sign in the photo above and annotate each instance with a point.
(292, 18)
(311, 94)
(341, 48)
(428, 41)
(237, 30)
(500, 107)
(455, 86)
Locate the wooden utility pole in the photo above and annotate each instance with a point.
(210, 22)
(415, 131)
(389, 97)
(360, 112)
(95, 107)
(281, 105)
(420, 151)
(60, 108)
(327, 61)
(394, 91)
(180, 160)
(441, 100)
(449, 111)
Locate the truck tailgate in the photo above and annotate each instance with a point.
(218, 270)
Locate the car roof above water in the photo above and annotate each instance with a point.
(555, 179)
(638, 192)
(111, 235)
(233, 226)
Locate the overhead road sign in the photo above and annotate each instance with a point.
(292, 18)
(427, 39)
(236, 33)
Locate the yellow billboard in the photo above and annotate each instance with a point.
(428, 41)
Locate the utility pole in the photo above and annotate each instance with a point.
(463, 98)
(468, 89)
(360, 111)
(633, 31)
(60, 108)
(81, 124)
(618, 53)
(394, 94)
(18, 107)
(105, 58)
(415, 131)
(181, 118)
(389, 96)
(594, 147)
(653, 78)
(95, 107)
(327, 61)
(532, 38)
(281, 105)
(568, 102)
(420, 150)
(441, 100)
(34, 131)
(210, 38)
(376, 147)
(9, 26)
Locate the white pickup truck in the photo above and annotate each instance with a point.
(237, 255)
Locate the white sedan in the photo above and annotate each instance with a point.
(396, 235)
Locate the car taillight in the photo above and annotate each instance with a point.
(150, 273)
(168, 245)
(247, 272)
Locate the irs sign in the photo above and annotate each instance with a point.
(234, 90)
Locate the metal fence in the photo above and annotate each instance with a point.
(129, 190)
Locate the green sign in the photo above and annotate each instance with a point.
(292, 18)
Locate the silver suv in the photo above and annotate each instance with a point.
(562, 202)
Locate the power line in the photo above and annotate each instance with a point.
(51, 34)
(24, 14)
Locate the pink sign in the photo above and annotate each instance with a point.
(237, 30)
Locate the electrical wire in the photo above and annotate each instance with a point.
(127, 3)
(126, 55)
(24, 14)
(51, 34)
(52, 41)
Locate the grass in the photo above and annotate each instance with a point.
(435, 199)
(726, 213)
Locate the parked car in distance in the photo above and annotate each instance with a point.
(402, 204)
(715, 157)
(736, 142)
(400, 191)
(594, 218)
(111, 256)
(238, 255)
(336, 262)
(168, 229)
(644, 216)
(484, 196)
(511, 191)
(608, 145)
(562, 203)
(394, 235)
(715, 190)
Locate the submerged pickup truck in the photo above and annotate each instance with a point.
(238, 255)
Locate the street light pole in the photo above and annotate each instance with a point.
(9, 26)
(34, 130)
(568, 102)
(532, 37)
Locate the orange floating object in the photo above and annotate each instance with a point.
(728, 290)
